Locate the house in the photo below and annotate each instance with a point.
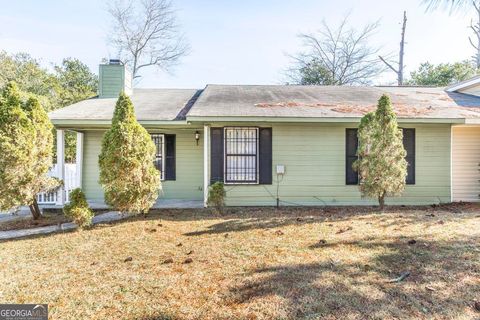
(285, 143)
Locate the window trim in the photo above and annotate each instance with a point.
(257, 157)
(162, 173)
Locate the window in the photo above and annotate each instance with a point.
(241, 155)
(159, 141)
(351, 147)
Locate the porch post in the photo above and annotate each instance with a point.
(206, 162)
(61, 166)
(79, 160)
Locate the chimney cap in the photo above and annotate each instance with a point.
(115, 61)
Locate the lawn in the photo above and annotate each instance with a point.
(333, 263)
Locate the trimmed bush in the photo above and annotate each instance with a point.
(216, 197)
(78, 209)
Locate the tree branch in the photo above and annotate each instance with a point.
(388, 64)
(147, 35)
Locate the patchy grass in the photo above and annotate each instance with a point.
(255, 264)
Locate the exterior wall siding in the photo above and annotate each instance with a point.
(113, 79)
(314, 157)
(189, 167)
(465, 163)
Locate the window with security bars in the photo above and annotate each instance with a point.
(159, 141)
(241, 155)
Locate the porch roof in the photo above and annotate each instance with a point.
(150, 105)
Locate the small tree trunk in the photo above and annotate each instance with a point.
(35, 210)
(381, 202)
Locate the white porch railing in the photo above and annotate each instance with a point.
(70, 183)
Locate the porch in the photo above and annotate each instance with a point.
(185, 192)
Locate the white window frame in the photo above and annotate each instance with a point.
(257, 156)
(162, 172)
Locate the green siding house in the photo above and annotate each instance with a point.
(285, 145)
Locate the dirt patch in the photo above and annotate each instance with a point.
(50, 217)
(47, 219)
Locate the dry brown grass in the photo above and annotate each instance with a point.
(255, 264)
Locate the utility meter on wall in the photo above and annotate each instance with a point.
(280, 169)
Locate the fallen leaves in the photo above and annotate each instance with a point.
(343, 230)
(476, 305)
(290, 276)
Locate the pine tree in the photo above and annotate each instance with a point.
(25, 150)
(127, 173)
(381, 165)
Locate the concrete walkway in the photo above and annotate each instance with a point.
(101, 218)
(160, 204)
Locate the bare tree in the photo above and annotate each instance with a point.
(401, 66)
(341, 56)
(146, 33)
(463, 5)
(452, 5)
(475, 43)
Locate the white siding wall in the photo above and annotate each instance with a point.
(465, 160)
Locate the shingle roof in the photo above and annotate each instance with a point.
(279, 101)
(150, 104)
(330, 101)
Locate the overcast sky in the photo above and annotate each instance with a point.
(233, 42)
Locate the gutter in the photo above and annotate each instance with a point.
(101, 124)
(201, 119)
(75, 123)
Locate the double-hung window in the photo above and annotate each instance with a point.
(241, 155)
(159, 161)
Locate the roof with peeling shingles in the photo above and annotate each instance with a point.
(288, 101)
(330, 101)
